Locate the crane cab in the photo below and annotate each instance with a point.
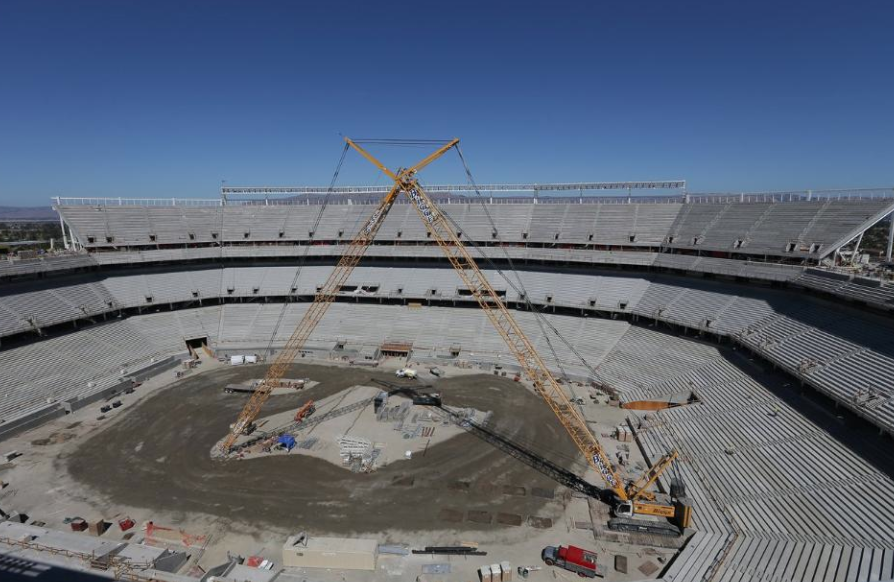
(624, 509)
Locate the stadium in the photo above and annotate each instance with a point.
(747, 333)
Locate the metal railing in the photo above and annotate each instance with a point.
(448, 194)
(121, 201)
(792, 196)
(435, 188)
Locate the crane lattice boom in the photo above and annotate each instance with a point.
(322, 300)
(464, 264)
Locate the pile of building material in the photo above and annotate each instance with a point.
(353, 446)
(308, 443)
(463, 416)
(436, 568)
(357, 453)
(432, 417)
(283, 386)
(411, 431)
(394, 413)
(501, 572)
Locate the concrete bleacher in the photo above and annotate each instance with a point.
(842, 353)
(62, 261)
(870, 291)
(758, 472)
(83, 362)
(780, 229)
(549, 231)
(76, 365)
(848, 361)
(775, 496)
(432, 331)
(129, 225)
(67, 301)
(567, 256)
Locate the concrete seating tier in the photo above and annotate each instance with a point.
(781, 229)
(843, 353)
(774, 495)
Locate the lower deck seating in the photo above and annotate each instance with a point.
(775, 495)
(76, 365)
(843, 353)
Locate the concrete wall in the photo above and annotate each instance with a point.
(333, 553)
(57, 410)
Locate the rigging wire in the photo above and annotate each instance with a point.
(519, 286)
(310, 240)
(220, 259)
(521, 292)
(387, 141)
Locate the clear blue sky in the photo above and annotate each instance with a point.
(161, 98)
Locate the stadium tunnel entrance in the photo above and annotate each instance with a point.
(197, 344)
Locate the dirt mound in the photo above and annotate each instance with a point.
(156, 456)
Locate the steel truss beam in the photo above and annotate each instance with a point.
(835, 247)
(550, 187)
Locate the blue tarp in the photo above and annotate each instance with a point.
(287, 440)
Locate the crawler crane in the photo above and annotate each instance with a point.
(627, 500)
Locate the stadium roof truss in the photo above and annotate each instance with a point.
(855, 236)
(580, 187)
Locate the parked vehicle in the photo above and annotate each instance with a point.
(578, 560)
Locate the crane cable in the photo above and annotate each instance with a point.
(520, 290)
(220, 260)
(542, 321)
(303, 257)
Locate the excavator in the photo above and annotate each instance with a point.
(627, 500)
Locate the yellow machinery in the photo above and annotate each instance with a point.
(628, 501)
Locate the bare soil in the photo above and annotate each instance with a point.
(156, 456)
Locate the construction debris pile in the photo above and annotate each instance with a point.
(357, 453)
(423, 424)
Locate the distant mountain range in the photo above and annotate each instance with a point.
(27, 213)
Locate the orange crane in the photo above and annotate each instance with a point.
(628, 500)
(322, 300)
(306, 410)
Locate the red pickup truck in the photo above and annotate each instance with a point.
(573, 559)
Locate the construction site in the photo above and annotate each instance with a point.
(498, 484)
(500, 412)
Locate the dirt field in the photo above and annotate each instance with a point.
(156, 456)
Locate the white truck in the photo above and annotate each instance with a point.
(406, 373)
